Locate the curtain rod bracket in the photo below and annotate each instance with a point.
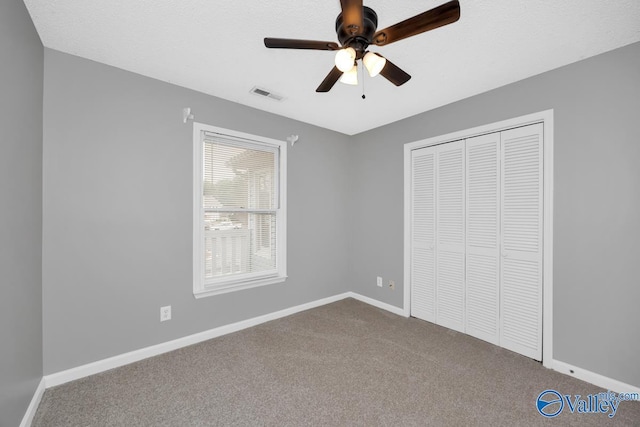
(292, 139)
(186, 114)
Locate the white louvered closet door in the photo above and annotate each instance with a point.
(521, 243)
(423, 224)
(483, 227)
(450, 235)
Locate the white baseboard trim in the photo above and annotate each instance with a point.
(93, 368)
(593, 378)
(383, 305)
(99, 366)
(33, 406)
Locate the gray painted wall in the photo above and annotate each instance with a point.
(21, 76)
(117, 238)
(597, 201)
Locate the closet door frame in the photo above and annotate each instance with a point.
(544, 117)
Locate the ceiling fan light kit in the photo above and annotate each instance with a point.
(356, 29)
(374, 63)
(350, 77)
(345, 58)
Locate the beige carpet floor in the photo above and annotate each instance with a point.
(343, 364)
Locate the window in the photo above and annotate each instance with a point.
(239, 227)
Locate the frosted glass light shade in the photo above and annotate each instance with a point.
(374, 63)
(351, 76)
(345, 58)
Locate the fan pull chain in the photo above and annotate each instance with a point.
(362, 71)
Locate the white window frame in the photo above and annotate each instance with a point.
(223, 285)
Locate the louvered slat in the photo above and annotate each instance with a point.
(450, 290)
(423, 286)
(482, 221)
(482, 297)
(451, 194)
(450, 232)
(521, 267)
(521, 295)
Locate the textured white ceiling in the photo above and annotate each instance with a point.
(216, 47)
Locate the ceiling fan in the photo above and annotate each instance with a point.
(356, 29)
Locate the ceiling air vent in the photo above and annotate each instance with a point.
(263, 92)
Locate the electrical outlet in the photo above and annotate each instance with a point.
(165, 313)
(379, 282)
(392, 285)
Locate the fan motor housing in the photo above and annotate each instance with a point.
(352, 37)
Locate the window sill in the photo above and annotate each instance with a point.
(232, 287)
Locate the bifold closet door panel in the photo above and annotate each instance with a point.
(423, 224)
(482, 237)
(521, 242)
(450, 235)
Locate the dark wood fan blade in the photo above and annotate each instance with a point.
(331, 79)
(394, 74)
(299, 44)
(352, 16)
(432, 19)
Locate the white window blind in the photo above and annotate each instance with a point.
(241, 215)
